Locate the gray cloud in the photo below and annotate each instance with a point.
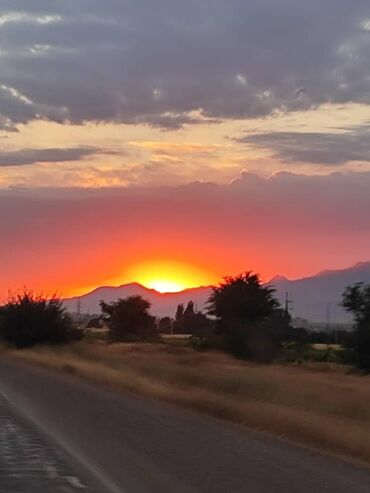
(325, 148)
(32, 156)
(143, 62)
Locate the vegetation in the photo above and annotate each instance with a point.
(244, 319)
(129, 320)
(191, 321)
(356, 300)
(248, 316)
(317, 405)
(308, 404)
(165, 325)
(28, 319)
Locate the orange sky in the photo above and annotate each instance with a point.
(70, 241)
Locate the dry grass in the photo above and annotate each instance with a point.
(325, 409)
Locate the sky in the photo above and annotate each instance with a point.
(173, 143)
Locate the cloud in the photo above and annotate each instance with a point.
(26, 157)
(331, 149)
(156, 64)
(170, 121)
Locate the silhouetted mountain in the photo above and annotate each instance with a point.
(162, 304)
(317, 298)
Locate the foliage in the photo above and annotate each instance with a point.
(179, 312)
(297, 352)
(95, 323)
(242, 298)
(190, 321)
(248, 316)
(28, 319)
(165, 325)
(129, 320)
(356, 300)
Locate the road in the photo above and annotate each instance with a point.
(100, 441)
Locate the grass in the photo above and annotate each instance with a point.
(318, 405)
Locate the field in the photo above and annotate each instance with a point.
(316, 405)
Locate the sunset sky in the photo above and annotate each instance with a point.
(175, 142)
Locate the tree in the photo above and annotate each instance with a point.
(28, 319)
(245, 310)
(189, 321)
(356, 300)
(189, 310)
(243, 298)
(165, 325)
(129, 319)
(179, 312)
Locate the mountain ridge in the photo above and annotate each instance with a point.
(315, 297)
(163, 304)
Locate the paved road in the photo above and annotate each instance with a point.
(132, 445)
(29, 462)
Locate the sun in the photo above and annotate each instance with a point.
(165, 286)
(170, 276)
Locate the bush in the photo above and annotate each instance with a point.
(296, 352)
(28, 319)
(257, 342)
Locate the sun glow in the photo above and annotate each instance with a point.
(163, 286)
(168, 276)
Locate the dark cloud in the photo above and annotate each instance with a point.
(155, 62)
(33, 156)
(325, 148)
(170, 121)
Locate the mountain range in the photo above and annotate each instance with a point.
(163, 304)
(317, 298)
(314, 298)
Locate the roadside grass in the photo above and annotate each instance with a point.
(316, 405)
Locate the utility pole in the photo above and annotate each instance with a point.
(79, 311)
(288, 302)
(328, 316)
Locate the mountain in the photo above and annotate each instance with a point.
(162, 304)
(317, 298)
(314, 298)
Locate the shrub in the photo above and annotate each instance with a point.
(28, 319)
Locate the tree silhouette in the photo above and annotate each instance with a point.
(190, 321)
(356, 300)
(129, 319)
(243, 298)
(29, 319)
(179, 312)
(189, 310)
(165, 325)
(245, 310)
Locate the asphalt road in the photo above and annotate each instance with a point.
(95, 440)
(29, 462)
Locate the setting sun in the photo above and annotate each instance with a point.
(164, 286)
(168, 276)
